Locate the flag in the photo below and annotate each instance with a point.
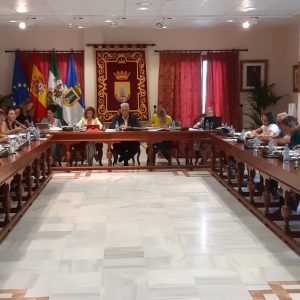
(73, 99)
(19, 86)
(38, 90)
(55, 87)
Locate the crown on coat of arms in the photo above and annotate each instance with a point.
(122, 75)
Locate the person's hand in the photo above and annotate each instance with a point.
(18, 129)
(253, 133)
(264, 138)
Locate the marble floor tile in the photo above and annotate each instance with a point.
(142, 236)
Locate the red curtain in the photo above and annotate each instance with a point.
(179, 86)
(222, 91)
(62, 59)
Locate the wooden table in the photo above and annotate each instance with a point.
(237, 168)
(187, 138)
(22, 177)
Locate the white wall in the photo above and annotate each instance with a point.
(280, 45)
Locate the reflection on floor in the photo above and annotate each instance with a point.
(144, 236)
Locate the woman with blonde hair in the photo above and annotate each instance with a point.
(162, 120)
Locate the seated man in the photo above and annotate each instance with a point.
(291, 126)
(126, 150)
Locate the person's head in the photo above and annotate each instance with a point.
(18, 110)
(289, 124)
(51, 112)
(267, 118)
(11, 115)
(28, 105)
(161, 113)
(2, 117)
(280, 117)
(124, 109)
(210, 112)
(90, 113)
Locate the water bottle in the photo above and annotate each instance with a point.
(271, 147)
(37, 133)
(173, 125)
(12, 145)
(243, 135)
(117, 126)
(206, 125)
(286, 154)
(255, 143)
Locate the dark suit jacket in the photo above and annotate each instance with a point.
(132, 121)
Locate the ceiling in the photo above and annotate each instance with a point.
(125, 13)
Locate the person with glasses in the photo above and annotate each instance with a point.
(269, 127)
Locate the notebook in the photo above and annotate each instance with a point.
(92, 126)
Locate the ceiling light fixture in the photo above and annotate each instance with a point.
(21, 8)
(246, 25)
(143, 8)
(230, 21)
(250, 8)
(22, 25)
(13, 21)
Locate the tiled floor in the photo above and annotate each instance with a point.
(144, 236)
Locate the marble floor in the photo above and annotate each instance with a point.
(143, 236)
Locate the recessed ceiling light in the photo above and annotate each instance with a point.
(108, 21)
(230, 21)
(143, 8)
(246, 25)
(22, 25)
(143, 3)
(249, 8)
(21, 8)
(13, 21)
(80, 27)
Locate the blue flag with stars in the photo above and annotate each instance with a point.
(19, 87)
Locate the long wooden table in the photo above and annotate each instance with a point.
(22, 177)
(237, 169)
(186, 138)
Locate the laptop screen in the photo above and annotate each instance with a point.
(92, 126)
(213, 122)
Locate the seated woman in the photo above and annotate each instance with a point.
(162, 120)
(11, 126)
(268, 128)
(90, 118)
(53, 122)
(202, 149)
(27, 113)
(3, 137)
(199, 123)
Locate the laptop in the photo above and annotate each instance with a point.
(92, 127)
(42, 126)
(214, 122)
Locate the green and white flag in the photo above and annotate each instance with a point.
(55, 87)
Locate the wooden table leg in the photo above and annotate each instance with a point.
(286, 212)
(19, 190)
(29, 181)
(6, 203)
(251, 185)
